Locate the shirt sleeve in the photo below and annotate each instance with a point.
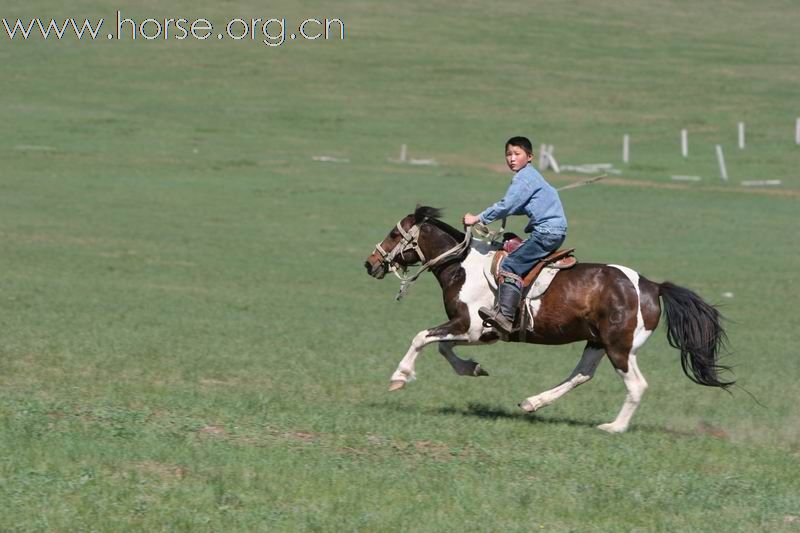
(517, 195)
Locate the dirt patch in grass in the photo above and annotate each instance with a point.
(437, 451)
(302, 436)
(212, 432)
(258, 437)
(703, 430)
(163, 471)
(211, 382)
(712, 431)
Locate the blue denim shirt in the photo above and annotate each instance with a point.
(529, 194)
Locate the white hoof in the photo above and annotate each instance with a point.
(533, 404)
(611, 428)
(400, 379)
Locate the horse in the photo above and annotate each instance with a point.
(612, 308)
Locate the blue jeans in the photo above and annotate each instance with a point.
(536, 246)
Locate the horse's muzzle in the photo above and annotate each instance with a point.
(376, 271)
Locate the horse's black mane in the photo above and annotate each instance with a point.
(433, 216)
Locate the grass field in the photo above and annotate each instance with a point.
(188, 340)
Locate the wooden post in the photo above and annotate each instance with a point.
(626, 141)
(403, 153)
(684, 143)
(797, 131)
(721, 160)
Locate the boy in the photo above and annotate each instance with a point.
(531, 195)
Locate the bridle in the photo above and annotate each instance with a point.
(409, 242)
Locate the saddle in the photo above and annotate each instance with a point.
(534, 285)
(560, 260)
(511, 241)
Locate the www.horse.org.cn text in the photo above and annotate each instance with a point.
(269, 31)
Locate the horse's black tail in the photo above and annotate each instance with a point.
(695, 328)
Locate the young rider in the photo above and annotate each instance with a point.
(529, 194)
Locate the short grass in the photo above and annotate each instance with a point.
(188, 340)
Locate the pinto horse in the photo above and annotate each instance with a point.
(611, 307)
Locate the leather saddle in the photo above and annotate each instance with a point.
(560, 259)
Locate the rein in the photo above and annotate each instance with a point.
(411, 242)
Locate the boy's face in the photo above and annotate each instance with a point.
(517, 158)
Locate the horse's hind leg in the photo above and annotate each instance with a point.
(628, 370)
(622, 350)
(591, 357)
(462, 367)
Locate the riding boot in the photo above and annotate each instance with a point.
(505, 309)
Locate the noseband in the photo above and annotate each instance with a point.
(410, 241)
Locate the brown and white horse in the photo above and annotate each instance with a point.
(611, 307)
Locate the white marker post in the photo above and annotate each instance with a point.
(544, 161)
(721, 160)
(759, 183)
(797, 131)
(403, 153)
(551, 159)
(626, 145)
(684, 143)
(741, 136)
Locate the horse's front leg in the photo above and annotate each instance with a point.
(451, 331)
(463, 367)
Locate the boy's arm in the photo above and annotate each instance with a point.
(517, 195)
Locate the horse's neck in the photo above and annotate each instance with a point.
(436, 242)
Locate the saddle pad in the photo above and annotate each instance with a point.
(533, 299)
(542, 282)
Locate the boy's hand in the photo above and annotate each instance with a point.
(471, 220)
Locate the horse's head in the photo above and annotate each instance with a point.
(401, 247)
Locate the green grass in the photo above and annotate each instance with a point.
(188, 340)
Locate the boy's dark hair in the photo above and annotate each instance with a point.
(522, 142)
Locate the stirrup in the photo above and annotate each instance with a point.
(487, 313)
(494, 318)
